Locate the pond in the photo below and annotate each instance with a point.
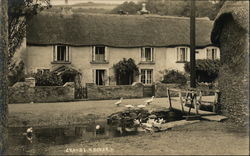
(43, 137)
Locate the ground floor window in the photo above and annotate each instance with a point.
(147, 76)
(99, 76)
(211, 53)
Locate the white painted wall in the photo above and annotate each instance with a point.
(81, 57)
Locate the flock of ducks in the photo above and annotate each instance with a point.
(147, 102)
(29, 131)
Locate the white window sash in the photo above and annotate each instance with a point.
(148, 76)
(93, 53)
(143, 54)
(67, 54)
(143, 58)
(152, 54)
(106, 53)
(94, 76)
(178, 57)
(55, 59)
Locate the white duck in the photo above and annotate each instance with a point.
(119, 102)
(149, 100)
(129, 106)
(141, 106)
(29, 134)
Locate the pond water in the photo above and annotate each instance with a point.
(43, 137)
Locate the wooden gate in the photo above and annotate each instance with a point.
(148, 90)
(81, 93)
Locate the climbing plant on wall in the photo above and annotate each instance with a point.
(206, 70)
(125, 70)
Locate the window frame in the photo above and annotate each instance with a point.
(143, 54)
(179, 60)
(55, 53)
(213, 51)
(105, 59)
(147, 81)
(106, 75)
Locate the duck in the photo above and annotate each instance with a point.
(129, 106)
(141, 106)
(149, 101)
(29, 134)
(119, 102)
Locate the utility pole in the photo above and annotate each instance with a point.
(192, 45)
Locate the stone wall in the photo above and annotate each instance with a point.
(161, 89)
(25, 92)
(114, 92)
(54, 93)
(21, 92)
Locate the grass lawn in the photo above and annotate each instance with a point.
(64, 113)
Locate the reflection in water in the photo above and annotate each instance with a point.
(44, 137)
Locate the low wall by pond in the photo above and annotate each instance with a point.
(26, 92)
(114, 92)
(161, 89)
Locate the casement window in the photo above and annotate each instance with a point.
(99, 76)
(212, 53)
(182, 53)
(146, 76)
(99, 53)
(147, 54)
(61, 53)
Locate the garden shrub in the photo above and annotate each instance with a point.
(47, 79)
(125, 71)
(206, 70)
(173, 76)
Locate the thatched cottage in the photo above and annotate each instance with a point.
(231, 32)
(92, 43)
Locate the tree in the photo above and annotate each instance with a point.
(19, 11)
(3, 76)
(129, 7)
(204, 8)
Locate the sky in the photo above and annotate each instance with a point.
(60, 2)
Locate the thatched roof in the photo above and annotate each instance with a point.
(238, 10)
(115, 30)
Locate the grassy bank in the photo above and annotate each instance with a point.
(65, 113)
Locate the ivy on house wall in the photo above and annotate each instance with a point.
(125, 71)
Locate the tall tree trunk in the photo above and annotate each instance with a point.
(3, 76)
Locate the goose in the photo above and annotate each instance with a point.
(119, 102)
(149, 100)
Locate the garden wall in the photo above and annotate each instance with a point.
(26, 92)
(114, 92)
(161, 89)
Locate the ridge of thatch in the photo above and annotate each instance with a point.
(238, 10)
(115, 30)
